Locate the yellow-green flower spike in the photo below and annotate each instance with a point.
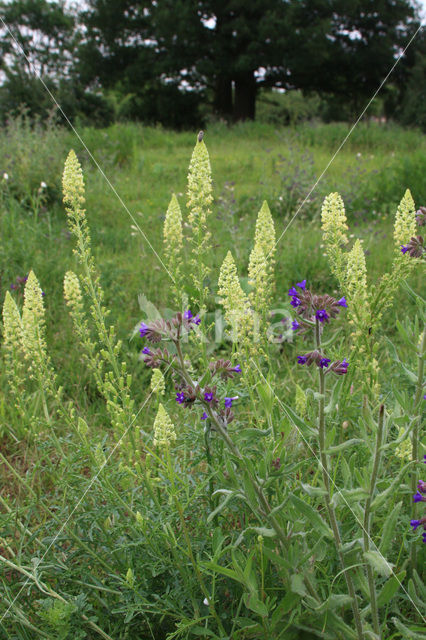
(72, 290)
(200, 188)
(259, 280)
(356, 275)
(172, 230)
(234, 300)
(164, 430)
(405, 220)
(334, 226)
(33, 335)
(404, 449)
(264, 235)
(158, 384)
(12, 323)
(73, 186)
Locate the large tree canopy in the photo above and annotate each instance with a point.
(159, 60)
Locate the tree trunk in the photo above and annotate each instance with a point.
(245, 96)
(223, 96)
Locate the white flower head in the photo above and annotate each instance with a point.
(43, 185)
(5, 176)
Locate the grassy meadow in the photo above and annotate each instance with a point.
(113, 573)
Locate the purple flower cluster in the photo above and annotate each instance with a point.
(419, 497)
(188, 315)
(293, 292)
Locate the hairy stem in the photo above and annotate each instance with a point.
(367, 513)
(330, 509)
(416, 434)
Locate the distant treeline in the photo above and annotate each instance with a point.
(182, 62)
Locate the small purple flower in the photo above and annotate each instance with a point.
(292, 291)
(146, 351)
(321, 315)
(344, 363)
(301, 285)
(301, 359)
(424, 397)
(342, 302)
(196, 319)
(424, 536)
(13, 286)
(180, 398)
(188, 314)
(295, 325)
(324, 362)
(237, 369)
(43, 294)
(228, 402)
(404, 248)
(422, 486)
(424, 458)
(143, 329)
(295, 302)
(208, 396)
(418, 497)
(204, 416)
(415, 524)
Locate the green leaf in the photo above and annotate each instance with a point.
(409, 633)
(297, 585)
(305, 429)
(345, 445)
(313, 491)
(389, 528)
(253, 603)
(378, 562)
(312, 515)
(390, 588)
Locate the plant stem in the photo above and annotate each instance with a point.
(367, 512)
(326, 480)
(415, 434)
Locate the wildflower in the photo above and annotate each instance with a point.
(322, 315)
(208, 396)
(415, 524)
(258, 279)
(235, 302)
(302, 359)
(188, 315)
(200, 189)
(172, 230)
(146, 351)
(158, 384)
(180, 397)
(293, 291)
(301, 285)
(204, 416)
(418, 497)
(164, 430)
(405, 220)
(196, 319)
(333, 218)
(422, 486)
(265, 231)
(33, 336)
(404, 248)
(324, 362)
(5, 176)
(424, 537)
(342, 302)
(43, 185)
(295, 302)
(238, 369)
(424, 457)
(72, 291)
(228, 402)
(73, 187)
(295, 325)
(143, 330)
(421, 216)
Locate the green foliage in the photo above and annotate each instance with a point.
(223, 529)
